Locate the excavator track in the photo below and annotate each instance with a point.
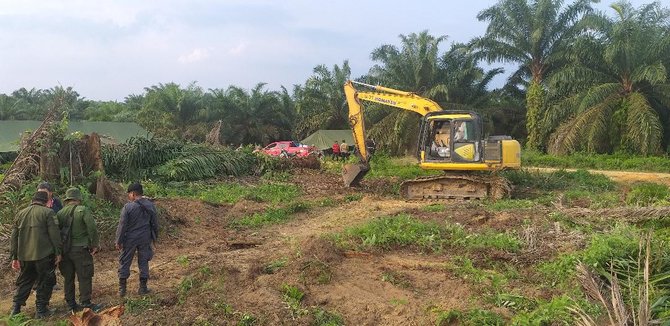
(456, 186)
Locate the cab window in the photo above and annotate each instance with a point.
(464, 131)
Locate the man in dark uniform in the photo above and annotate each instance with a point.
(80, 243)
(35, 252)
(138, 227)
(53, 202)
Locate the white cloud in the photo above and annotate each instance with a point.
(239, 49)
(195, 55)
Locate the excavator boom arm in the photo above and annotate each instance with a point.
(409, 101)
(382, 95)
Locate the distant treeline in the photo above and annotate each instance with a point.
(587, 81)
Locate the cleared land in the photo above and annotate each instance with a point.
(326, 255)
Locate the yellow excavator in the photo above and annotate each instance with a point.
(449, 140)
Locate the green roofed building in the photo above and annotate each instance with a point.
(324, 139)
(110, 132)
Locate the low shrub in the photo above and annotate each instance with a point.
(618, 161)
(270, 216)
(405, 231)
(560, 180)
(401, 231)
(647, 193)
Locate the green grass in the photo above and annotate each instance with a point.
(353, 197)
(182, 260)
(293, 296)
(266, 192)
(323, 317)
(19, 320)
(247, 319)
(138, 305)
(648, 194)
(560, 180)
(395, 231)
(594, 200)
(434, 208)
(488, 239)
(277, 176)
(464, 268)
(23, 320)
(472, 317)
(552, 312)
(270, 216)
(326, 202)
(184, 287)
(405, 231)
(383, 166)
(225, 193)
(275, 266)
(619, 243)
(598, 161)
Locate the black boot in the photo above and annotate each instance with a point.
(16, 309)
(122, 287)
(74, 307)
(43, 312)
(143, 287)
(93, 306)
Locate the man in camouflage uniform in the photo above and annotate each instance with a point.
(80, 243)
(35, 252)
(137, 228)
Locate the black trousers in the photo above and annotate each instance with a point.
(144, 255)
(41, 272)
(77, 262)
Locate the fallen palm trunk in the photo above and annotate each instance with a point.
(627, 214)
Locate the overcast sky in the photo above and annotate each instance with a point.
(107, 50)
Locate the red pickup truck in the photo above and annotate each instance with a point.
(288, 149)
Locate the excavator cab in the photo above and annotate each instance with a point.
(450, 137)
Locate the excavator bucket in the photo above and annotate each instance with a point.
(353, 173)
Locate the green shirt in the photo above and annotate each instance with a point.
(35, 234)
(84, 232)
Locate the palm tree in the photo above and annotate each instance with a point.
(168, 110)
(618, 87)
(415, 66)
(533, 34)
(72, 102)
(320, 104)
(28, 104)
(466, 83)
(258, 116)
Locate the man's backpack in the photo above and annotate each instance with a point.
(66, 231)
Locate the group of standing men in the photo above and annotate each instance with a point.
(47, 235)
(340, 150)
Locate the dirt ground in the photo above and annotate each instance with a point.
(228, 278)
